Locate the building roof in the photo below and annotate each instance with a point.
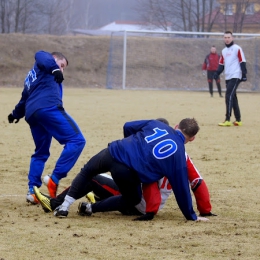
(131, 25)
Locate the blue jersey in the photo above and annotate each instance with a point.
(40, 89)
(154, 150)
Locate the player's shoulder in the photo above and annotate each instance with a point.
(238, 47)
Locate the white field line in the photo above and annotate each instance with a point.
(10, 195)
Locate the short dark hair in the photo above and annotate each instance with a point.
(189, 127)
(60, 56)
(228, 32)
(165, 121)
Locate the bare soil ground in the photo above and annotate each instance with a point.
(228, 159)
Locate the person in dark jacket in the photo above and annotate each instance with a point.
(210, 64)
(150, 150)
(41, 105)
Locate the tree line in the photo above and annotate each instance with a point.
(35, 16)
(195, 15)
(60, 16)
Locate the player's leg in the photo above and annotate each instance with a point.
(42, 140)
(113, 203)
(82, 184)
(128, 183)
(210, 82)
(65, 130)
(106, 189)
(126, 180)
(50, 204)
(103, 186)
(236, 111)
(230, 93)
(219, 86)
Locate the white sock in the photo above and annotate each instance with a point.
(66, 203)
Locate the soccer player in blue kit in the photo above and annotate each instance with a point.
(41, 104)
(149, 151)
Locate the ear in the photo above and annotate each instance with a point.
(55, 57)
(176, 127)
(192, 139)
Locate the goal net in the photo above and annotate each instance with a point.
(172, 61)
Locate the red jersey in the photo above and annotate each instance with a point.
(211, 62)
(155, 194)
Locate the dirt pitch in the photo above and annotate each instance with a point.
(228, 159)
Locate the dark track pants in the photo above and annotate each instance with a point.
(231, 99)
(125, 178)
(210, 77)
(107, 192)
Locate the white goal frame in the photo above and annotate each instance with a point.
(172, 33)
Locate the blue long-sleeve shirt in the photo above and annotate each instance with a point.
(154, 150)
(40, 88)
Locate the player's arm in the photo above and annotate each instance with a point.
(181, 190)
(198, 187)
(204, 66)
(45, 61)
(242, 61)
(220, 67)
(19, 110)
(205, 63)
(133, 127)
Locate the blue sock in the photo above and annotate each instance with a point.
(56, 181)
(31, 190)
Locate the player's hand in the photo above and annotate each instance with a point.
(58, 76)
(244, 78)
(201, 219)
(210, 214)
(145, 217)
(215, 76)
(11, 119)
(204, 73)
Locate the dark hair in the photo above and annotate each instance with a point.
(227, 32)
(213, 46)
(189, 127)
(60, 56)
(165, 121)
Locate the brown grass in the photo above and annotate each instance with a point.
(228, 159)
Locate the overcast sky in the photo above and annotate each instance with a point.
(97, 13)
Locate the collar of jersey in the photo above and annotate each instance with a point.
(229, 45)
(181, 135)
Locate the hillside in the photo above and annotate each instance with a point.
(88, 60)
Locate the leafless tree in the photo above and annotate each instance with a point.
(186, 15)
(6, 16)
(35, 16)
(2, 15)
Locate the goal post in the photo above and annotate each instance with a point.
(172, 60)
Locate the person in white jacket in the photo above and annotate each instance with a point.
(233, 62)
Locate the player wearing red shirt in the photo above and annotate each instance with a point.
(211, 65)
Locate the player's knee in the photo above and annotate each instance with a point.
(81, 142)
